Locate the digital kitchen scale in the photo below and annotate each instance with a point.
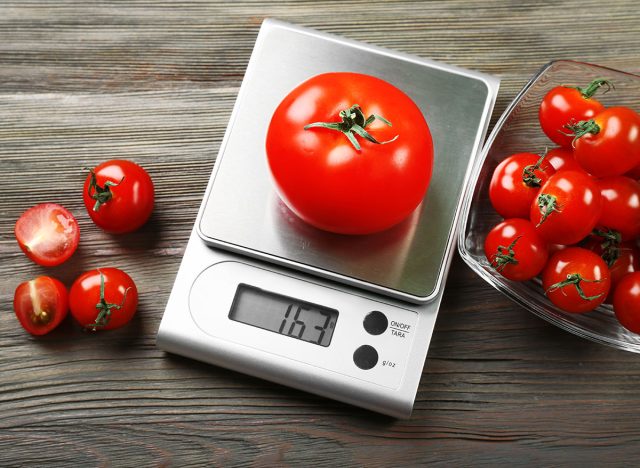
(346, 317)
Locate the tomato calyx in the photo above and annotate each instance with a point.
(610, 245)
(575, 279)
(104, 307)
(581, 128)
(100, 194)
(505, 256)
(528, 174)
(354, 121)
(547, 204)
(593, 87)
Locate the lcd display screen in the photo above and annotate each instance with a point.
(285, 315)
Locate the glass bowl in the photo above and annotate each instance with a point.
(516, 131)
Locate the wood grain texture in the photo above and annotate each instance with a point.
(155, 82)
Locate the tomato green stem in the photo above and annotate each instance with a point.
(593, 87)
(353, 121)
(528, 174)
(610, 245)
(505, 256)
(575, 279)
(100, 194)
(104, 308)
(582, 128)
(547, 204)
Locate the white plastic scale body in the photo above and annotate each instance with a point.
(345, 317)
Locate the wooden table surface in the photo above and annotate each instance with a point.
(155, 82)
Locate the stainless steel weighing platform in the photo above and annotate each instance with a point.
(370, 302)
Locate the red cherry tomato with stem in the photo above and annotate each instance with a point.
(576, 280)
(41, 304)
(567, 207)
(349, 153)
(568, 104)
(622, 258)
(516, 182)
(48, 234)
(103, 299)
(609, 143)
(626, 302)
(119, 196)
(515, 249)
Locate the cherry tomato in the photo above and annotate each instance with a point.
(515, 249)
(620, 205)
(626, 302)
(563, 105)
(562, 160)
(622, 258)
(118, 195)
(48, 234)
(567, 207)
(41, 304)
(103, 299)
(516, 182)
(576, 280)
(608, 144)
(349, 153)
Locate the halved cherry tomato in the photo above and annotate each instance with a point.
(103, 299)
(515, 249)
(626, 302)
(564, 105)
(609, 143)
(118, 196)
(620, 205)
(567, 207)
(516, 182)
(338, 162)
(576, 280)
(48, 234)
(41, 304)
(562, 160)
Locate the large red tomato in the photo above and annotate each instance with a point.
(576, 280)
(567, 207)
(349, 153)
(516, 182)
(568, 104)
(608, 144)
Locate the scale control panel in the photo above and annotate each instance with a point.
(304, 321)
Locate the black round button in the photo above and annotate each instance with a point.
(375, 323)
(365, 357)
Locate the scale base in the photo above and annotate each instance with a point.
(186, 330)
